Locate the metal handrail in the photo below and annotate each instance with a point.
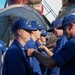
(49, 9)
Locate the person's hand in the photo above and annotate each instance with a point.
(42, 48)
(51, 46)
(30, 52)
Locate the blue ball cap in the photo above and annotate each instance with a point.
(54, 24)
(44, 33)
(22, 24)
(36, 25)
(70, 18)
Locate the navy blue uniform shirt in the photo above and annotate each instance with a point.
(16, 61)
(59, 44)
(43, 68)
(34, 63)
(66, 58)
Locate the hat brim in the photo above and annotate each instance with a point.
(61, 27)
(30, 29)
(44, 34)
(40, 28)
(50, 30)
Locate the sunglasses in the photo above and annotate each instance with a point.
(27, 30)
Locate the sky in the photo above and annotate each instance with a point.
(2, 2)
(54, 4)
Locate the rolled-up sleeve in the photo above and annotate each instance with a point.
(65, 54)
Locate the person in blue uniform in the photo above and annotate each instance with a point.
(62, 39)
(2, 53)
(42, 41)
(31, 44)
(65, 57)
(16, 61)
